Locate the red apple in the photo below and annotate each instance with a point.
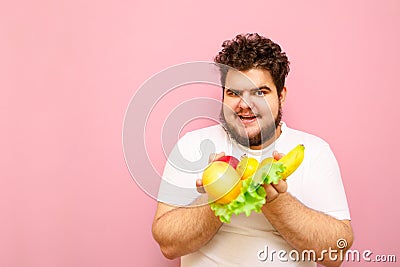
(231, 160)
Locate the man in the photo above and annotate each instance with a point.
(308, 212)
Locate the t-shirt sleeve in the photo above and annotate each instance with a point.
(322, 185)
(183, 167)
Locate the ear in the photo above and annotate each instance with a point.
(283, 95)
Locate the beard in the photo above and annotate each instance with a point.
(264, 134)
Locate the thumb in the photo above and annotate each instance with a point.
(199, 186)
(276, 155)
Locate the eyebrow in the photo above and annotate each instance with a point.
(251, 90)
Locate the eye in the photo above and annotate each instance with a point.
(261, 92)
(230, 92)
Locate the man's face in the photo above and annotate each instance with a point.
(252, 108)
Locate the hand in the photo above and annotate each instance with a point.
(273, 190)
(199, 183)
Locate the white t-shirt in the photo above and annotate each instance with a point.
(252, 241)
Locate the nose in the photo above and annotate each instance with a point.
(246, 101)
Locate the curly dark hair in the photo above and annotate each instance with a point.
(247, 51)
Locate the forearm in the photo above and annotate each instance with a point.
(306, 229)
(184, 230)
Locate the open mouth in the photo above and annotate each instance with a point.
(247, 118)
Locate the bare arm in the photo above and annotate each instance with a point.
(307, 229)
(183, 230)
(304, 228)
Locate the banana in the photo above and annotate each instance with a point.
(292, 160)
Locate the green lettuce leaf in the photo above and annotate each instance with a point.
(252, 194)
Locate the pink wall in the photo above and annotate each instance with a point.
(69, 68)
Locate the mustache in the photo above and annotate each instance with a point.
(247, 115)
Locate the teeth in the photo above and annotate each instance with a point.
(247, 117)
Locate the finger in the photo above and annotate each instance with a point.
(281, 187)
(211, 157)
(271, 192)
(277, 155)
(214, 156)
(199, 186)
(219, 155)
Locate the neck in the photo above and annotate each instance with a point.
(278, 132)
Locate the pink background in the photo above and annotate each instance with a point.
(68, 70)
